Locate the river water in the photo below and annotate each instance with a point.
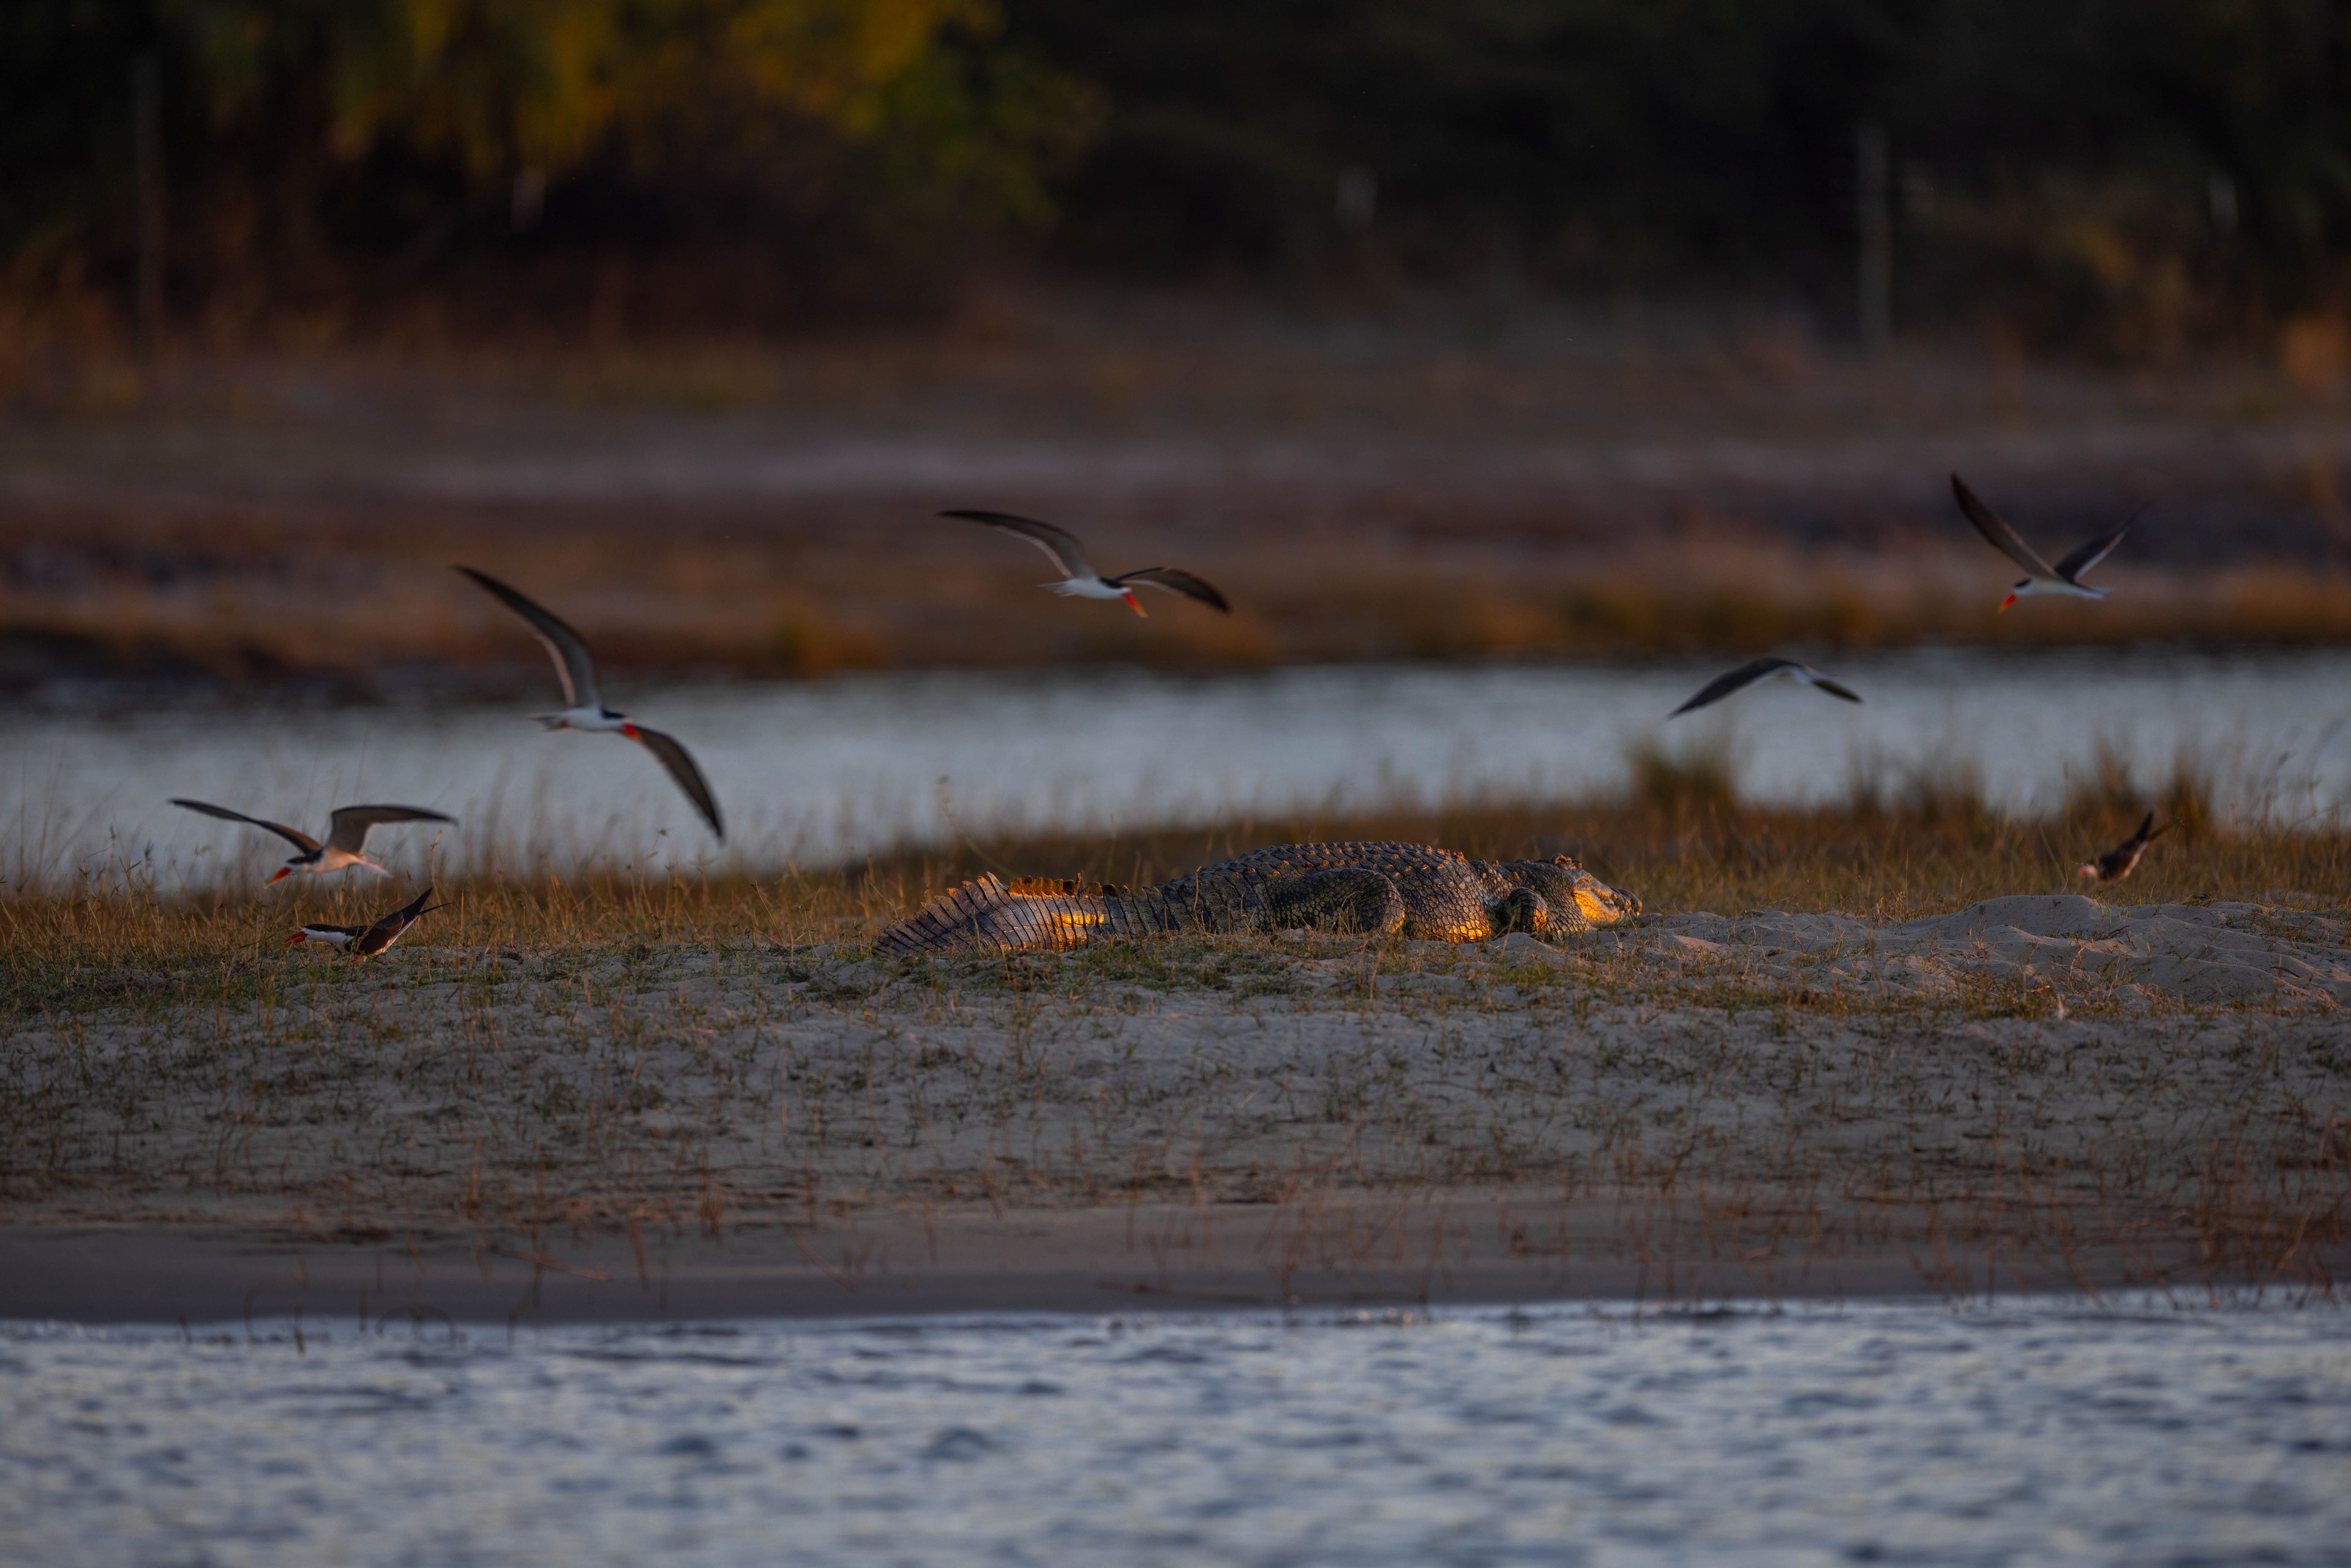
(818, 773)
(2045, 1430)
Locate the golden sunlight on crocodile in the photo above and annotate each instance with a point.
(1382, 889)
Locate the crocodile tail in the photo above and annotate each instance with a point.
(988, 916)
(948, 923)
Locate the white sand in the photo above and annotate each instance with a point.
(2149, 955)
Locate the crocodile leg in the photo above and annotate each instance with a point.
(1522, 909)
(1335, 898)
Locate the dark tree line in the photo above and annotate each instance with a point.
(2129, 173)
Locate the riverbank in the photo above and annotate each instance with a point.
(2035, 1092)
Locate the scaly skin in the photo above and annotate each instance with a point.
(1387, 889)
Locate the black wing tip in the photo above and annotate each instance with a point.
(686, 773)
(505, 592)
(205, 808)
(499, 588)
(1185, 584)
(1969, 502)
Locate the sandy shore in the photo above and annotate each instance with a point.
(2035, 1092)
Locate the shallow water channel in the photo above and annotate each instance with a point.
(2135, 1431)
(821, 772)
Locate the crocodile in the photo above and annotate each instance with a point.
(1412, 891)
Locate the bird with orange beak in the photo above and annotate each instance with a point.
(367, 941)
(1081, 580)
(346, 844)
(2065, 579)
(584, 710)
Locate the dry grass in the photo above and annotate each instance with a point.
(1687, 844)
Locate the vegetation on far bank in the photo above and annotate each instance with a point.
(2120, 178)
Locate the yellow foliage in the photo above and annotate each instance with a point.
(829, 57)
(509, 85)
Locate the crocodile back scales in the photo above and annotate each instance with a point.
(1415, 890)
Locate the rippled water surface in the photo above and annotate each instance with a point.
(2049, 1431)
(825, 771)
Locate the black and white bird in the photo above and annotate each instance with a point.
(584, 708)
(2040, 576)
(1747, 674)
(1081, 580)
(2123, 859)
(367, 941)
(346, 844)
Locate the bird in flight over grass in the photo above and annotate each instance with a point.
(584, 708)
(367, 941)
(2123, 859)
(1081, 580)
(2040, 576)
(346, 844)
(1747, 674)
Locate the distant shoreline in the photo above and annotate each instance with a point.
(1151, 1259)
(287, 524)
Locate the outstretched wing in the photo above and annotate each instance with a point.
(299, 840)
(352, 823)
(383, 933)
(414, 908)
(682, 767)
(573, 667)
(1174, 580)
(2072, 568)
(1721, 687)
(1060, 545)
(2001, 537)
(1819, 681)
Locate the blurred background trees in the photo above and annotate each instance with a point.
(637, 163)
(2119, 177)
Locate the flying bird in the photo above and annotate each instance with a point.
(585, 710)
(346, 844)
(2040, 576)
(1081, 580)
(367, 941)
(2123, 859)
(1747, 674)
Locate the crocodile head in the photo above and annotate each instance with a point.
(1567, 887)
